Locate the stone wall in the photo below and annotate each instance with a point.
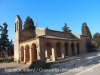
(26, 35)
(60, 34)
(16, 46)
(77, 35)
(83, 43)
(40, 31)
(43, 31)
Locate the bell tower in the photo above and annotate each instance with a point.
(17, 30)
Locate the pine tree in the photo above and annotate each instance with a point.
(29, 24)
(4, 36)
(5, 45)
(86, 31)
(65, 28)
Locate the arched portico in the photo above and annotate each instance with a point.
(50, 50)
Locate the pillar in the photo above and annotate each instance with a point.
(46, 53)
(20, 56)
(24, 56)
(54, 55)
(62, 52)
(80, 48)
(69, 49)
(42, 50)
(75, 48)
(30, 51)
(38, 51)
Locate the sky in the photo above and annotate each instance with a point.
(52, 13)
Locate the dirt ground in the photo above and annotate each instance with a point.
(67, 66)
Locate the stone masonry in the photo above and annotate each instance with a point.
(45, 44)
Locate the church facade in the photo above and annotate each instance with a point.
(45, 44)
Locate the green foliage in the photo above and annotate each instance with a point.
(29, 24)
(10, 60)
(5, 44)
(96, 40)
(65, 28)
(90, 46)
(86, 31)
(38, 64)
(4, 37)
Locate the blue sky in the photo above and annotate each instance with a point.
(52, 13)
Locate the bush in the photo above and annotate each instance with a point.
(38, 64)
(10, 60)
(90, 46)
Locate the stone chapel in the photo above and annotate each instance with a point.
(45, 44)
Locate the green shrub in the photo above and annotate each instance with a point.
(90, 46)
(10, 60)
(38, 64)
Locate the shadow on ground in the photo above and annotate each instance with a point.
(83, 60)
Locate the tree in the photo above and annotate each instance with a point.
(4, 36)
(10, 47)
(65, 28)
(90, 46)
(5, 44)
(29, 24)
(86, 31)
(96, 40)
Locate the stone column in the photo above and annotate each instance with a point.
(42, 50)
(24, 56)
(20, 55)
(80, 48)
(69, 49)
(38, 51)
(30, 55)
(75, 48)
(46, 53)
(54, 55)
(42, 54)
(62, 52)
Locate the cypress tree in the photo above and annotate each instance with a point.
(86, 30)
(29, 24)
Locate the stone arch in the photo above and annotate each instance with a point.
(58, 49)
(78, 52)
(22, 54)
(27, 53)
(48, 51)
(33, 52)
(72, 48)
(66, 49)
